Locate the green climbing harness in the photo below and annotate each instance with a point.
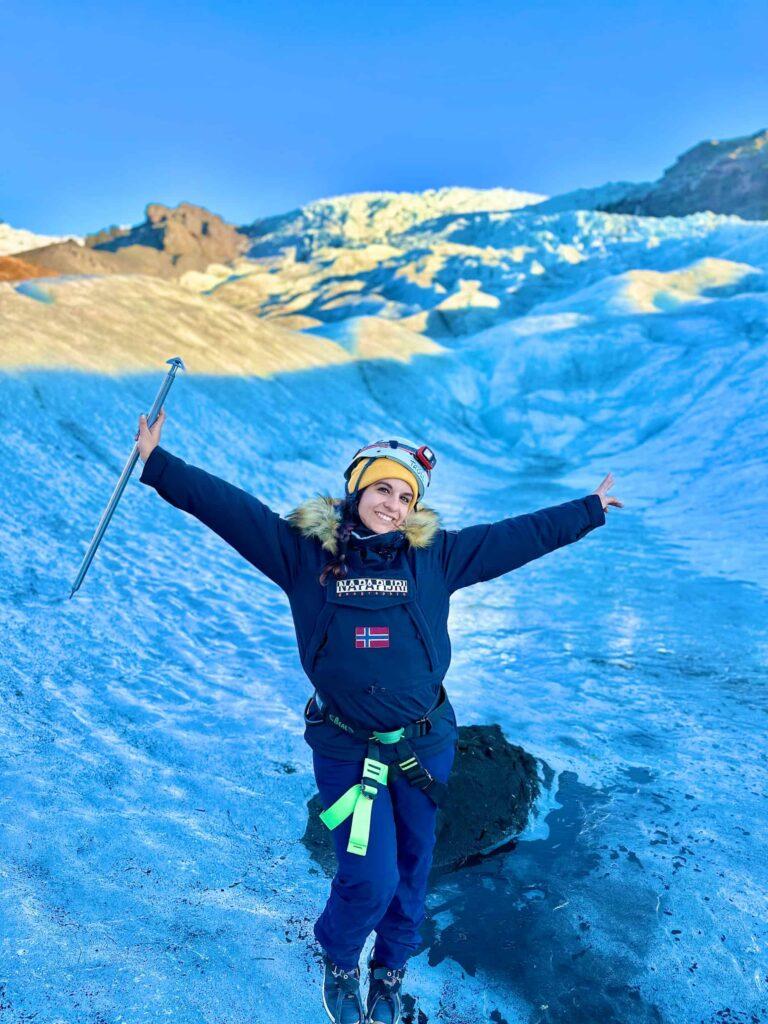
(358, 800)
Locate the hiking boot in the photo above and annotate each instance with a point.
(384, 1003)
(341, 994)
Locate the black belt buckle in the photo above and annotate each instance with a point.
(424, 726)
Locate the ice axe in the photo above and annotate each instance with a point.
(177, 363)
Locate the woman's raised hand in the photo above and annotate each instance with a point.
(602, 490)
(148, 438)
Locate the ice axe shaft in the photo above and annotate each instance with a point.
(176, 363)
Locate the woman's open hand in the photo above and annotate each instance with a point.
(148, 438)
(602, 490)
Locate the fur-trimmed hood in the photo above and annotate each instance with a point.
(318, 517)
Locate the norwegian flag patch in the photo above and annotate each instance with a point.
(371, 636)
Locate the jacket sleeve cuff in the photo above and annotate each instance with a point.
(154, 466)
(594, 508)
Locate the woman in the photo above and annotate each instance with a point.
(369, 578)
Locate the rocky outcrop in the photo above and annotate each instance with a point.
(181, 232)
(728, 176)
(168, 243)
(491, 791)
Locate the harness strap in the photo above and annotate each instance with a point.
(357, 801)
(419, 728)
(410, 766)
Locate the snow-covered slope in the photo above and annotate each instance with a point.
(126, 324)
(14, 240)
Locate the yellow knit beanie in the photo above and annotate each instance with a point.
(381, 469)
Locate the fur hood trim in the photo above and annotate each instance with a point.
(318, 517)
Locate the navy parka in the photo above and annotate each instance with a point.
(375, 645)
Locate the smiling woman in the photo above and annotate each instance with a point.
(401, 472)
(373, 641)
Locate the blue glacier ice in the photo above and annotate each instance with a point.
(154, 776)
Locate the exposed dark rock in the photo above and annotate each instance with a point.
(728, 176)
(491, 790)
(99, 238)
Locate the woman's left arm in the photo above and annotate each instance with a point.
(479, 553)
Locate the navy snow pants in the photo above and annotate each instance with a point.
(385, 890)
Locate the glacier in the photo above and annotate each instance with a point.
(154, 779)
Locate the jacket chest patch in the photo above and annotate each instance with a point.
(370, 585)
(371, 636)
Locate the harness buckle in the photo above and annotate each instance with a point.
(416, 773)
(374, 776)
(388, 737)
(424, 726)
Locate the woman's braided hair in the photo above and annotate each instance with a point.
(348, 520)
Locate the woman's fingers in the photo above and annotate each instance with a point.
(149, 437)
(605, 484)
(607, 501)
(157, 426)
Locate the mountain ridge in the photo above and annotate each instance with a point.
(727, 177)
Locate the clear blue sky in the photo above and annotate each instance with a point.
(251, 108)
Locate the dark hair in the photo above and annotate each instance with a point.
(348, 520)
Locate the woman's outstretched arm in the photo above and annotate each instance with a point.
(244, 522)
(479, 553)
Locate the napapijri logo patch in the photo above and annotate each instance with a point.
(370, 585)
(371, 636)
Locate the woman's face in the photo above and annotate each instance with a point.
(384, 505)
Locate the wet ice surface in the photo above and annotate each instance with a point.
(155, 778)
(647, 691)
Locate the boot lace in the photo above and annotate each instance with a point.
(346, 980)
